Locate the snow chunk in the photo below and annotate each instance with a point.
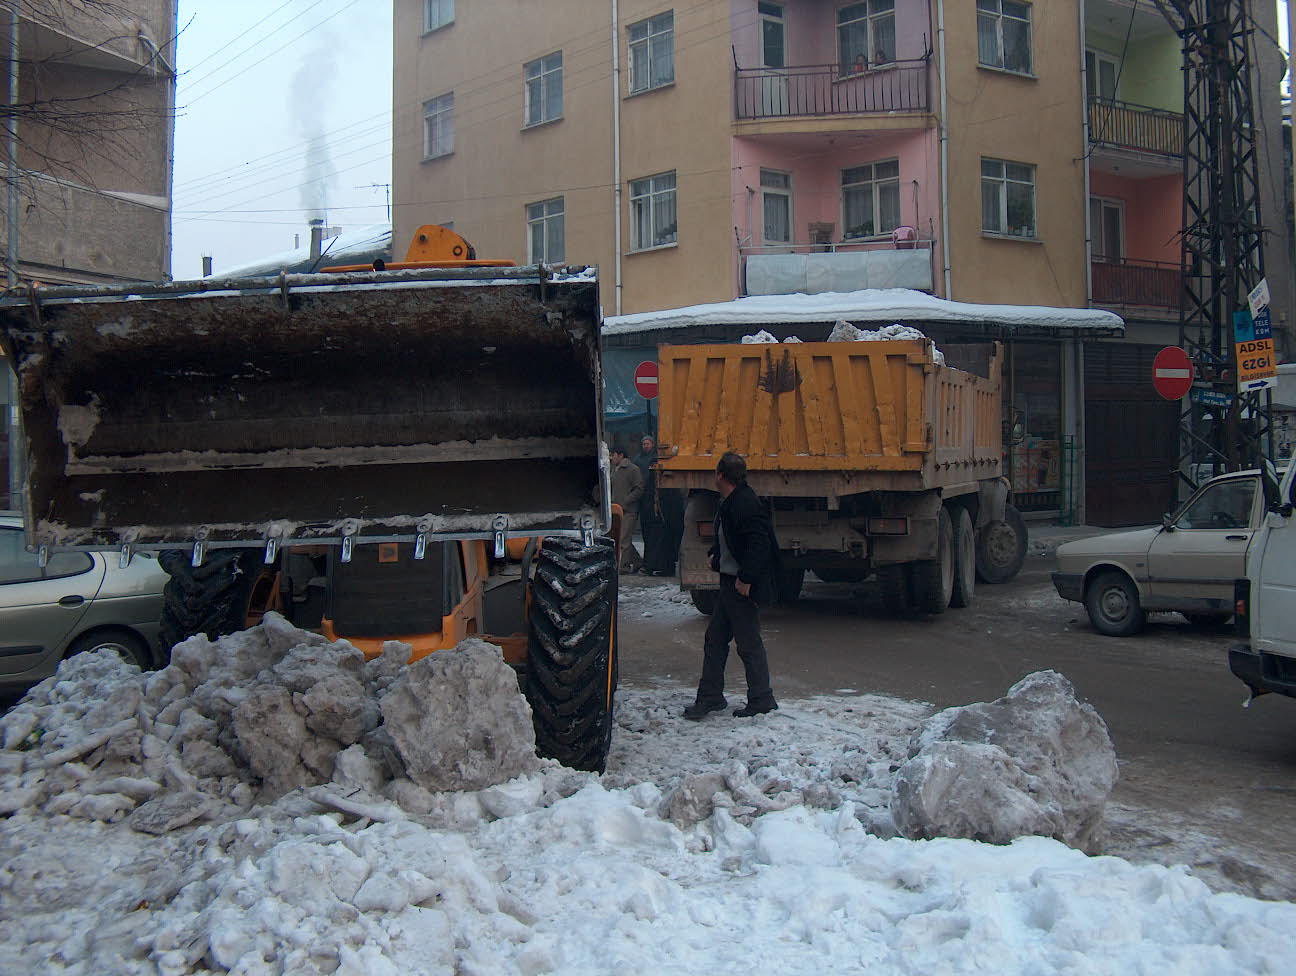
(760, 337)
(459, 721)
(1036, 761)
(843, 331)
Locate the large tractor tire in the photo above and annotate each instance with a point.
(1001, 548)
(212, 599)
(571, 651)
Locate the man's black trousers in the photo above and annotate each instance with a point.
(736, 618)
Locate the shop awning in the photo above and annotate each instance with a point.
(783, 314)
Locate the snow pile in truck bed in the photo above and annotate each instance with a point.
(706, 846)
(843, 331)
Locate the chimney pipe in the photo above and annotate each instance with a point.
(207, 265)
(317, 237)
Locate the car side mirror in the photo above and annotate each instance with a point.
(1167, 522)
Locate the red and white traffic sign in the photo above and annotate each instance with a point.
(1172, 373)
(645, 379)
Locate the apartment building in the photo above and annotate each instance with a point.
(94, 108)
(991, 151)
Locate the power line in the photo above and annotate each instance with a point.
(239, 37)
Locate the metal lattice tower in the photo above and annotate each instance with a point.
(1223, 247)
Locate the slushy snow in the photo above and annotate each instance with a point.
(708, 847)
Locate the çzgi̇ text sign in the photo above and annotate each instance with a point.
(1257, 366)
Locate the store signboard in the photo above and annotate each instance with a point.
(1257, 365)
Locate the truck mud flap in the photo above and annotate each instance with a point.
(310, 407)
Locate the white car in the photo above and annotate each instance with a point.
(1190, 564)
(80, 601)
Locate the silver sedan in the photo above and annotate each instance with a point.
(78, 602)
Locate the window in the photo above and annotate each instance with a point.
(865, 35)
(1106, 229)
(1003, 34)
(776, 205)
(773, 36)
(17, 565)
(546, 232)
(437, 13)
(1226, 505)
(1007, 198)
(544, 89)
(438, 126)
(652, 211)
(870, 199)
(652, 52)
(1102, 71)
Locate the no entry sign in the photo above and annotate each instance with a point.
(646, 380)
(1172, 373)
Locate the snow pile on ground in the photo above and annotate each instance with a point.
(254, 716)
(1035, 762)
(706, 845)
(843, 331)
(655, 601)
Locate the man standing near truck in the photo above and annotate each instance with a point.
(627, 490)
(745, 554)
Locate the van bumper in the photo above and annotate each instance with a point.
(1263, 672)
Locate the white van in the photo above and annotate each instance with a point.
(1267, 601)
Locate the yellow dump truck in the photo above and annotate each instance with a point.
(874, 457)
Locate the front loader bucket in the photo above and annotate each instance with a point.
(375, 406)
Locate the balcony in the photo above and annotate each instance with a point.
(814, 268)
(1149, 284)
(1121, 125)
(821, 90)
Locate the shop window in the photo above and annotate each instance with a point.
(1033, 440)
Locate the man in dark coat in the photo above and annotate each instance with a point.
(745, 554)
(649, 517)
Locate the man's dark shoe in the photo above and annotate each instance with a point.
(700, 710)
(748, 710)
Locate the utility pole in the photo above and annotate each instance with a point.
(1222, 239)
(15, 438)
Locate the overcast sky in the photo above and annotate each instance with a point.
(284, 107)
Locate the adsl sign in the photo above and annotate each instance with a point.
(1257, 366)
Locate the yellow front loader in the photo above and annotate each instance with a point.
(425, 437)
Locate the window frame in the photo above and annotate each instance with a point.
(870, 19)
(1096, 231)
(428, 26)
(43, 574)
(1093, 77)
(875, 185)
(1003, 181)
(783, 192)
(655, 198)
(430, 112)
(766, 16)
(1253, 516)
(998, 16)
(543, 220)
(544, 77)
(643, 48)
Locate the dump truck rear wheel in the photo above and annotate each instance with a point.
(964, 558)
(704, 601)
(1001, 548)
(932, 580)
(210, 599)
(790, 582)
(571, 651)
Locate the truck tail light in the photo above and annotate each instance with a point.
(706, 530)
(888, 526)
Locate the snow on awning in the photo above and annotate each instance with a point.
(874, 305)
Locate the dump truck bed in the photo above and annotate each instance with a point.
(309, 408)
(828, 418)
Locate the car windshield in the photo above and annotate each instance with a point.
(1226, 505)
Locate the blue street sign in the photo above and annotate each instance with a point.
(1210, 398)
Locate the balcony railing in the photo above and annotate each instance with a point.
(1126, 126)
(823, 89)
(1120, 281)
